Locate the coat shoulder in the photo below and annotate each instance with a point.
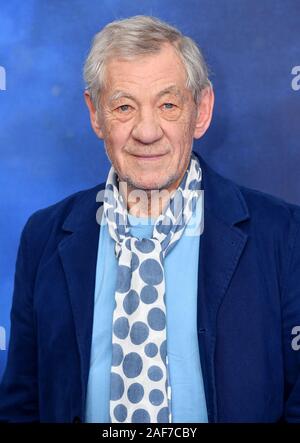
(270, 209)
(54, 215)
(44, 228)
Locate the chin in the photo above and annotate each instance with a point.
(151, 184)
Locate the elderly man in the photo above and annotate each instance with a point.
(168, 293)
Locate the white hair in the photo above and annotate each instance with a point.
(140, 35)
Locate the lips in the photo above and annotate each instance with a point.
(149, 157)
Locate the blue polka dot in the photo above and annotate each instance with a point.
(165, 225)
(120, 221)
(193, 204)
(121, 227)
(117, 355)
(116, 386)
(134, 261)
(156, 319)
(155, 373)
(120, 412)
(140, 416)
(139, 332)
(156, 397)
(132, 365)
(135, 393)
(149, 294)
(131, 302)
(145, 245)
(151, 350)
(163, 416)
(121, 327)
(193, 184)
(128, 244)
(176, 204)
(163, 351)
(151, 272)
(123, 279)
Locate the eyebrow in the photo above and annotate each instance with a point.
(120, 94)
(172, 89)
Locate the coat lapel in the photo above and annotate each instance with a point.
(221, 246)
(78, 252)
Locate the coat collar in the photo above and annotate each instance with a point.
(221, 246)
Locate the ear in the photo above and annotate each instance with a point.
(204, 112)
(93, 115)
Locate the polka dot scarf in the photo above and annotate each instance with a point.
(140, 388)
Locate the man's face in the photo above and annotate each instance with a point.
(148, 119)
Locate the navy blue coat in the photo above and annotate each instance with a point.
(248, 304)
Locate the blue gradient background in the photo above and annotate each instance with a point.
(47, 148)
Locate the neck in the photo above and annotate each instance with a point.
(145, 203)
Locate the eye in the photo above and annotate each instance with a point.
(168, 106)
(124, 108)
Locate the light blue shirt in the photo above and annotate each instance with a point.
(181, 274)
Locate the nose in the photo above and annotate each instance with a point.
(147, 129)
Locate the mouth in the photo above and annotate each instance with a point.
(146, 157)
